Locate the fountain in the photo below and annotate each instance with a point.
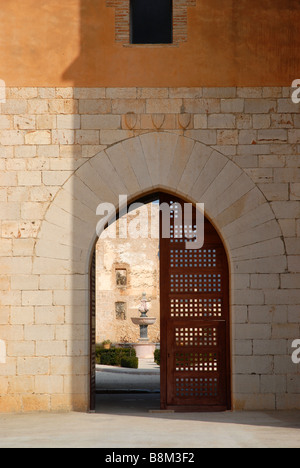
(144, 349)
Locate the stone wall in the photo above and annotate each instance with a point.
(136, 256)
(64, 150)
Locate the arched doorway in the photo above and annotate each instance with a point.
(178, 165)
(195, 318)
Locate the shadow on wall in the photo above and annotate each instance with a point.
(249, 49)
(242, 39)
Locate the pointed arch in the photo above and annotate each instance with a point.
(159, 161)
(153, 162)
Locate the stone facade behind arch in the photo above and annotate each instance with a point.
(65, 150)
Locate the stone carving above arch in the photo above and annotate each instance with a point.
(161, 161)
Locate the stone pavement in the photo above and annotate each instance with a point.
(121, 380)
(124, 420)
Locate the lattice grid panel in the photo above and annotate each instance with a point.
(210, 308)
(196, 362)
(196, 387)
(196, 283)
(186, 232)
(196, 336)
(204, 258)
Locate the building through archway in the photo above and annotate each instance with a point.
(127, 264)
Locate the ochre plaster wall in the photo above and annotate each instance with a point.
(230, 43)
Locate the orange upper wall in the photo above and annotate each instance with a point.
(72, 42)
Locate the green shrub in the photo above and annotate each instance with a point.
(113, 356)
(157, 356)
(130, 362)
(108, 359)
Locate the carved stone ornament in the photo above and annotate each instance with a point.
(158, 120)
(184, 120)
(131, 120)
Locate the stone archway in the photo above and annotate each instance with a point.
(135, 167)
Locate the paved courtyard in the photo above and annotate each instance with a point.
(123, 421)
(127, 420)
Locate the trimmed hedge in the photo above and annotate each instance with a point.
(157, 356)
(114, 356)
(130, 362)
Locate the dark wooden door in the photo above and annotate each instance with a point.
(194, 289)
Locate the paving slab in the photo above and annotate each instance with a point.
(131, 419)
(124, 421)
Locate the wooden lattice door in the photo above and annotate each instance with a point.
(195, 355)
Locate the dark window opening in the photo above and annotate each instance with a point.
(151, 21)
